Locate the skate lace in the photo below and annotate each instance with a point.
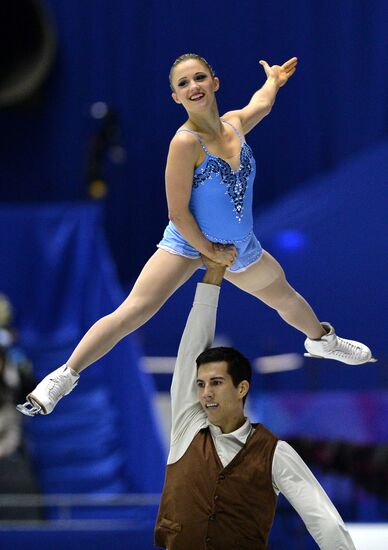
(57, 387)
(349, 349)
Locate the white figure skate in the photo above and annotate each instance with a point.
(331, 346)
(49, 391)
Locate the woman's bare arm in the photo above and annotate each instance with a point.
(261, 102)
(182, 156)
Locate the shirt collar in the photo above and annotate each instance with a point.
(240, 434)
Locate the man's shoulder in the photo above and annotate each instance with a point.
(263, 430)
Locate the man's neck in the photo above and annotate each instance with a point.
(232, 425)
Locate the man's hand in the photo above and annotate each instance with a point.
(223, 254)
(214, 270)
(280, 73)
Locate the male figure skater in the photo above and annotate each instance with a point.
(223, 473)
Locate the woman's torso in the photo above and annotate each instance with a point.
(221, 198)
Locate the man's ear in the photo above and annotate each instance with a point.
(243, 388)
(175, 97)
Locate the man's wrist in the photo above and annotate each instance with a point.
(214, 275)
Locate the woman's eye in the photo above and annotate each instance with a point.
(182, 83)
(200, 77)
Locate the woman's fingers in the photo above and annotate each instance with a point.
(225, 254)
(290, 73)
(287, 66)
(290, 64)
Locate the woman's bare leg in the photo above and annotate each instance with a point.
(266, 281)
(161, 276)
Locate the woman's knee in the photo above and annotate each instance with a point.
(279, 295)
(133, 313)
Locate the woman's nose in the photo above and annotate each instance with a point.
(194, 85)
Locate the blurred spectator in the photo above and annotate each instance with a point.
(16, 380)
(366, 465)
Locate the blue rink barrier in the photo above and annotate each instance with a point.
(102, 535)
(82, 521)
(288, 532)
(94, 521)
(94, 537)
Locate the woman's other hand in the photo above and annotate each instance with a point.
(223, 254)
(280, 73)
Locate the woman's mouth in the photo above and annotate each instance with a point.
(197, 97)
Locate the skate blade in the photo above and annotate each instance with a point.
(28, 409)
(371, 360)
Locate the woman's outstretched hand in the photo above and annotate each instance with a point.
(280, 73)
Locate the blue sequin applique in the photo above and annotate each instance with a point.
(236, 182)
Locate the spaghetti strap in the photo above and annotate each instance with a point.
(197, 136)
(235, 129)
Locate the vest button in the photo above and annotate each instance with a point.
(212, 517)
(221, 476)
(216, 497)
(208, 539)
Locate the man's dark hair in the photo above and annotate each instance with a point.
(239, 367)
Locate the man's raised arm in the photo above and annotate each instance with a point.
(187, 415)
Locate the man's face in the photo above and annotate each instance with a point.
(219, 398)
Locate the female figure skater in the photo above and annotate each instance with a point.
(209, 182)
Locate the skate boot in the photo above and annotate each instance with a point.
(331, 346)
(49, 391)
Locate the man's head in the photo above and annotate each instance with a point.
(223, 378)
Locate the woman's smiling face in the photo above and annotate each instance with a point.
(194, 86)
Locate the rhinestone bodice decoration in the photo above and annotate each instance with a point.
(236, 182)
(221, 198)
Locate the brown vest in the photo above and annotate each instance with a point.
(205, 506)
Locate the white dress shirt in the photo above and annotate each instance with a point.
(290, 475)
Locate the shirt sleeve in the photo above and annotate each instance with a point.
(187, 414)
(294, 479)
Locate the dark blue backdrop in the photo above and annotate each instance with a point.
(120, 52)
(335, 107)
